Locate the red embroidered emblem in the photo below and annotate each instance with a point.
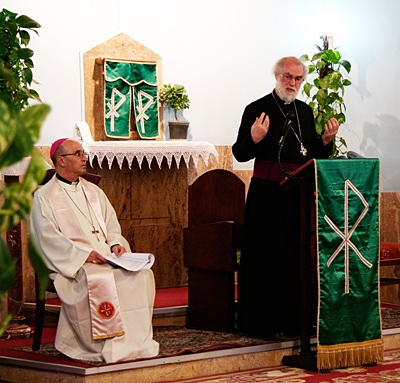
(106, 310)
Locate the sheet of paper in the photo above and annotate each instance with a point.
(132, 261)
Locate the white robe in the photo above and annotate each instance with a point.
(66, 260)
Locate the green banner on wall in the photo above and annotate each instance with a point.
(124, 79)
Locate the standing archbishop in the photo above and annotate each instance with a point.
(269, 286)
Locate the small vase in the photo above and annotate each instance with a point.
(178, 130)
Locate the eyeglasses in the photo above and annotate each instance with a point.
(78, 153)
(288, 78)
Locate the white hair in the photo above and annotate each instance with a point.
(279, 64)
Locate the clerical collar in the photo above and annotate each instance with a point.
(277, 97)
(62, 179)
(299, 137)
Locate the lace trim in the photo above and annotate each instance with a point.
(159, 150)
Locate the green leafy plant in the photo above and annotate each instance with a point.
(16, 59)
(19, 131)
(174, 97)
(325, 93)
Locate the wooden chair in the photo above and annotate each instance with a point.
(40, 303)
(389, 256)
(211, 243)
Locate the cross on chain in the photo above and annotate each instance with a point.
(346, 243)
(96, 233)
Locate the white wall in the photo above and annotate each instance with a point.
(223, 52)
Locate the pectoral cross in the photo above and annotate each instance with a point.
(303, 150)
(96, 232)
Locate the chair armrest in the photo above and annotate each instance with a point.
(389, 254)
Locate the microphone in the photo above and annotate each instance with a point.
(351, 154)
(290, 117)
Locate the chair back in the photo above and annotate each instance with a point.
(93, 178)
(217, 195)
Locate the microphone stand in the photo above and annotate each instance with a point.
(286, 128)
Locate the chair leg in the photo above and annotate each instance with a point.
(39, 319)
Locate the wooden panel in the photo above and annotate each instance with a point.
(165, 241)
(120, 47)
(116, 184)
(390, 217)
(211, 246)
(217, 195)
(151, 205)
(211, 300)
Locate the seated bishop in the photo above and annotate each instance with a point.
(106, 312)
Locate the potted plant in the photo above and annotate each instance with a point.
(16, 59)
(19, 130)
(175, 97)
(325, 93)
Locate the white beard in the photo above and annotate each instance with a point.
(280, 90)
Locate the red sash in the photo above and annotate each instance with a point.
(270, 170)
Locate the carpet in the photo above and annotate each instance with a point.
(173, 341)
(180, 340)
(388, 371)
(165, 297)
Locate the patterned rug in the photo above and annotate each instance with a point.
(390, 316)
(180, 340)
(176, 341)
(388, 371)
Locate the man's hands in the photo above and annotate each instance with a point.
(260, 128)
(331, 128)
(95, 257)
(118, 250)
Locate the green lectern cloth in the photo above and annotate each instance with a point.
(349, 321)
(128, 83)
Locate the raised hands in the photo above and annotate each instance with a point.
(260, 128)
(331, 129)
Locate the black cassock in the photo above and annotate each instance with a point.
(269, 284)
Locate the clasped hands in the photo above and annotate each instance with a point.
(96, 257)
(261, 126)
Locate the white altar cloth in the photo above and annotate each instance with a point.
(19, 168)
(141, 149)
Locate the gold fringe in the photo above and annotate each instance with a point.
(349, 354)
(109, 335)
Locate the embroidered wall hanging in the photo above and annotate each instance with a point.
(130, 89)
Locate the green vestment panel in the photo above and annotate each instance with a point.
(122, 80)
(349, 323)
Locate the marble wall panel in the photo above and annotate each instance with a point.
(390, 232)
(390, 217)
(165, 242)
(151, 204)
(116, 183)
